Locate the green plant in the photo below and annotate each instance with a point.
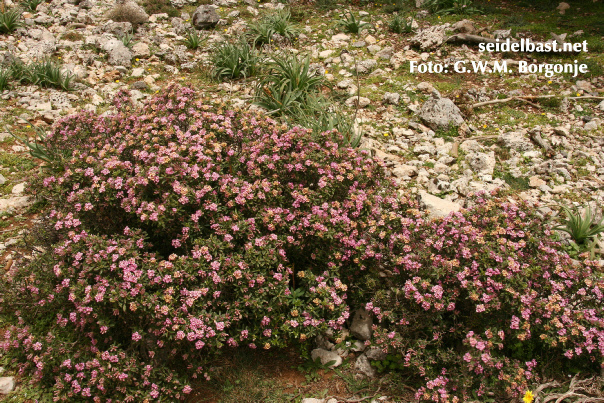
(320, 115)
(19, 71)
(127, 39)
(392, 362)
(400, 24)
(581, 228)
(235, 60)
(287, 85)
(10, 20)
(325, 4)
(264, 30)
(160, 7)
(175, 243)
(31, 5)
(448, 7)
(46, 73)
(5, 76)
(350, 24)
(193, 39)
(41, 149)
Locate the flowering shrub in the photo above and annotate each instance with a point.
(185, 228)
(484, 300)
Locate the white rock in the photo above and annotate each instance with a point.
(18, 189)
(360, 101)
(601, 106)
(340, 38)
(482, 163)
(562, 7)
(138, 72)
(391, 98)
(363, 365)
(326, 357)
(440, 113)
(141, 49)
(7, 384)
(536, 182)
(591, 125)
(431, 37)
(436, 206)
(404, 171)
(14, 202)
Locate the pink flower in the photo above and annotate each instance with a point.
(136, 336)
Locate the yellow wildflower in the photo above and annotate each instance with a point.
(528, 397)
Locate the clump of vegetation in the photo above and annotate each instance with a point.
(10, 20)
(127, 39)
(5, 76)
(31, 5)
(184, 229)
(449, 7)
(485, 300)
(128, 12)
(193, 39)
(265, 30)
(44, 73)
(288, 85)
(160, 7)
(232, 61)
(351, 25)
(400, 25)
(582, 228)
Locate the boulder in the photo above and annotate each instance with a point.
(515, 141)
(440, 113)
(431, 37)
(361, 325)
(326, 357)
(436, 206)
(391, 98)
(363, 365)
(482, 163)
(7, 384)
(205, 17)
(118, 54)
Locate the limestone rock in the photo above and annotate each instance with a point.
(365, 66)
(515, 140)
(326, 356)
(391, 98)
(141, 49)
(436, 206)
(7, 384)
(440, 113)
(361, 325)
(431, 37)
(482, 163)
(361, 102)
(562, 7)
(205, 17)
(119, 55)
(536, 182)
(464, 27)
(363, 365)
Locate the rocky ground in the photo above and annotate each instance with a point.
(428, 127)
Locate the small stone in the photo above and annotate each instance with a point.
(440, 113)
(18, 189)
(326, 357)
(562, 7)
(361, 102)
(7, 384)
(436, 206)
(340, 38)
(361, 325)
(536, 182)
(141, 49)
(591, 125)
(391, 98)
(601, 106)
(363, 365)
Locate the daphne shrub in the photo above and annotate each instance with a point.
(484, 301)
(186, 228)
